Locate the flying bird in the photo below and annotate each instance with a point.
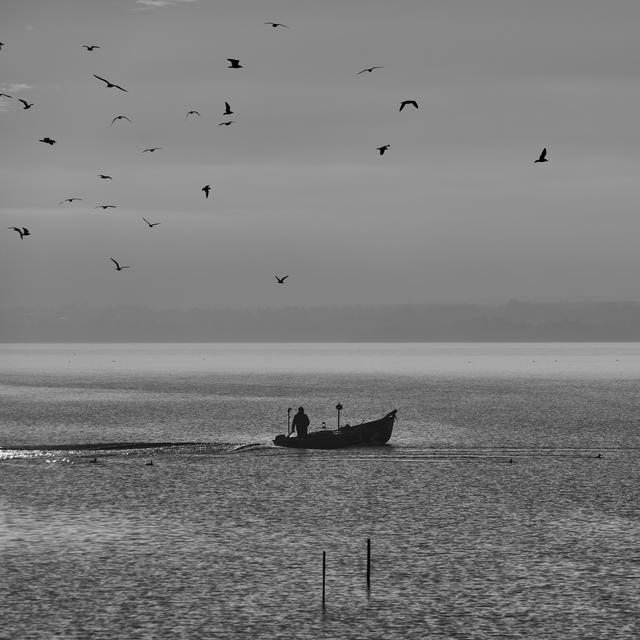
(206, 189)
(119, 118)
(543, 156)
(1, 45)
(26, 104)
(5, 95)
(404, 103)
(226, 123)
(91, 47)
(47, 141)
(105, 206)
(281, 280)
(227, 109)
(383, 148)
(235, 64)
(69, 200)
(109, 84)
(118, 267)
(369, 69)
(151, 224)
(277, 24)
(193, 112)
(151, 149)
(22, 231)
(104, 177)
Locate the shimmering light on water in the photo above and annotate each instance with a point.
(219, 540)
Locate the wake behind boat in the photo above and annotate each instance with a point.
(376, 432)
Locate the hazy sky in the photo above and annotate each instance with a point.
(456, 210)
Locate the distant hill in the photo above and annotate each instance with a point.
(513, 321)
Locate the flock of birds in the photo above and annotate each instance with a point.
(234, 63)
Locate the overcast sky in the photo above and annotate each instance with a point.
(456, 210)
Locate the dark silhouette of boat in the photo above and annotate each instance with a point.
(376, 432)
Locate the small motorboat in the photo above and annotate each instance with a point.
(376, 432)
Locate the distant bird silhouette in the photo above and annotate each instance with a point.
(5, 95)
(91, 47)
(369, 69)
(227, 109)
(106, 206)
(206, 189)
(47, 141)
(281, 280)
(69, 200)
(22, 231)
(118, 267)
(235, 64)
(599, 455)
(277, 24)
(104, 177)
(404, 103)
(119, 118)
(94, 460)
(226, 123)
(151, 149)
(149, 464)
(151, 224)
(1, 45)
(383, 148)
(193, 112)
(26, 104)
(110, 84)
(543, 156)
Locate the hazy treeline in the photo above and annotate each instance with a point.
(513, 321)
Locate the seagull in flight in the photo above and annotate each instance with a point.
(26, 104)
(47, 141)
(151, 224)
(206, 189)
(227, 109)
(193, 112)
(118, 267)
(226, 123)
(543, 156)
(104, 207)
(404, 103)
(235, 64)
(109, 84)
(277, 24)
(281, 280)
(369, 69)
(104, 177)
(22, 231)
(151, 149)
(383, 148)
(69, 200)
(91, 47)
(119, 118)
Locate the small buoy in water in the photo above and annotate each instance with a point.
(150, 463)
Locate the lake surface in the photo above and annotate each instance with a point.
(505, 505)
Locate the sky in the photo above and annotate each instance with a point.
(455, 211)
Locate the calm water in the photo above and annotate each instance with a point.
(221, 540)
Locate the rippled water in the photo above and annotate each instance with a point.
(221, 540)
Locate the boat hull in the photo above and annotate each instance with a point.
(376, 432)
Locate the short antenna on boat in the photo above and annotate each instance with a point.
(289, 421)
(339, 408)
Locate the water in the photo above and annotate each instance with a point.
(218, 539)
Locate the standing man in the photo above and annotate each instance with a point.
(300, 423)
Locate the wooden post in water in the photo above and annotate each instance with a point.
(368, 566)
(324, 573)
